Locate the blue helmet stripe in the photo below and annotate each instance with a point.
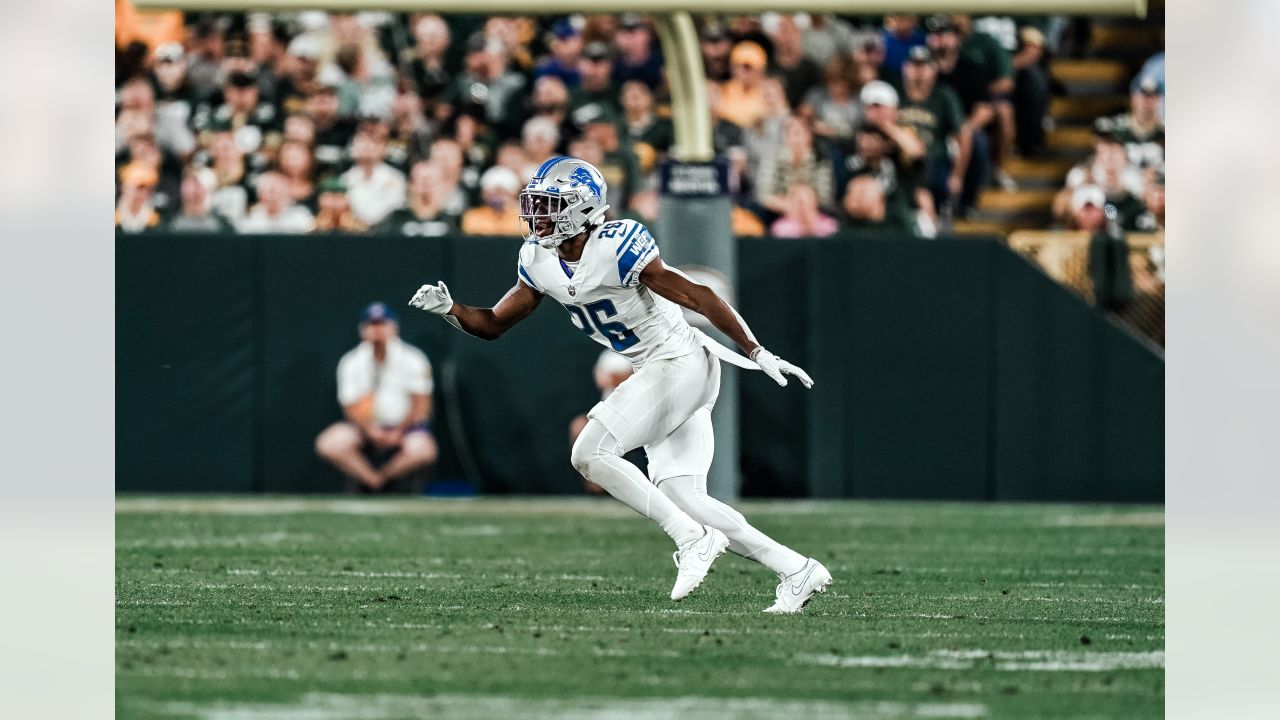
(545, 167)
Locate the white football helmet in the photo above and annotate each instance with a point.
(568, 192)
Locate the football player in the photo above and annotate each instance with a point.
(617, 291)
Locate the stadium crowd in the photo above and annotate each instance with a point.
(426, 125)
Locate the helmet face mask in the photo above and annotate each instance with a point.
(565, 196)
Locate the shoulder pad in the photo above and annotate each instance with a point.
(528, 253)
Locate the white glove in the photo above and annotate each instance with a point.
(433, 298)
(777, 368)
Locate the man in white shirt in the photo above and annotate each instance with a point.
(374, 188)
(384, 387)
(276, 212)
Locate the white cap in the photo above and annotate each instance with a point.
(208, 178)
(169, 51)
(1087, 195)
(499, 178)
(306, 45)
(878, 92)
(611, 362)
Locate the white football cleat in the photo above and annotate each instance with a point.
(694, 559)
(799, 588)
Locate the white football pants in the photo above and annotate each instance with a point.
(666, 408)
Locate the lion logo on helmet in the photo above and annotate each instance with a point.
(581, 177)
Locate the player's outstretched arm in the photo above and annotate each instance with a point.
(682, 290)
(484, 323)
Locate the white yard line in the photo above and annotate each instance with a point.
(1041, 660)
(330, 706)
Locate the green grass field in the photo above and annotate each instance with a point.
(275, 609)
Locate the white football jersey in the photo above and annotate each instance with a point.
(604, 297)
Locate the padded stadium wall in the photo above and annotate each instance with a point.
(945, 369)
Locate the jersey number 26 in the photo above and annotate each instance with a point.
(619, 336)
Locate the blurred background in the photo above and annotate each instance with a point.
(953, 222)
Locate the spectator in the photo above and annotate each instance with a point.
(827, 36)
(231, 194)
(275, 211)
(205, 51)
(834, 105)
(1151, 219)
(1109, 169)
(374, 188)
(299, 74)
(241, 109)
(367, 86)
(801, 217)
(997, 71)
(1030, 91)
(513, 35)
(384, 387)
(198, 215)
(637, 59)
(446, 155)
(934, 112)
(797, 72)
(639, 123)
(618, 165)
(429, 69)
(1141, 130)
(768, 134)
(300, 129)
(541, 137)
(1088, 209)
(1152, 69)
(267, 51)
(879, 191)
(475, 141)
(715, 45)
(610, 371)
(566, 43)
(424, 214)
(968, 82)
(142, 150)
(486, 80)
(499, 214)
(136, 112)
(551, 99)
(174, 100)
(793, 162)
(868, 60)
(296, 166)
(880, 107)
(334, 213)
(408, 135)
(900, 34)
(595, 85)
(742, 96)
(333, 133)
(510, 155)
(135, 212)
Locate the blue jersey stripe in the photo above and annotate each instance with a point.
(634, 228)
(528, 279)
(625, 263)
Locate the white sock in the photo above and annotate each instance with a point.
(690, 493)
(598, 456)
